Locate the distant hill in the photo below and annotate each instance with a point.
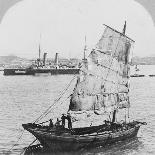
(10, 59)
(17, 62)
(143, 60)
(13, 60)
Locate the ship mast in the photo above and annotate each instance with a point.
(114, 113)
(85, 49)
(84, 52)
(39, 47)
(39, 51)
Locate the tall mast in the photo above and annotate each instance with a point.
(39, 51)
(114, 113)
(39, 47)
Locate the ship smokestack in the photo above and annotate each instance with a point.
(56, 60)
(124, 28)
(39, 51)
(44, 59)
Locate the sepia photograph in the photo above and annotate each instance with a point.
(77, 77)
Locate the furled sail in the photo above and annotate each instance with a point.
(103, 83)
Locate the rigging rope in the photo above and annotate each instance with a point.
(61, 94)
(17, 141)
(104, 79)
(27, 147)
(46, 112)
(60, 104)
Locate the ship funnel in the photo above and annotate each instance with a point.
(124, 28)
(44, 59)
(56, 60)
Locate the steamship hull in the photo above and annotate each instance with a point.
(72, 142)
(40, 71)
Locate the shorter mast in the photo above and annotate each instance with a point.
(39, 48)
(85, 49)
(39, 51)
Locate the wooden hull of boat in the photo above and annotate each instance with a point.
(68, 142)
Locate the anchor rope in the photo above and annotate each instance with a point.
(28, 146)
(60, 104)
(45, 113)
(17, 141)
(60, 96)
(36, 138)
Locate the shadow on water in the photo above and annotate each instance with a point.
(121, 148)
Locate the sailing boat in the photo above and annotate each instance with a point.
(102, 89)
(136, 74)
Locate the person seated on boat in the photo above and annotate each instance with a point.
(69, 121)
(114, 126)
(63, 120)
(105, 122)
(51, 123)
(57, 122)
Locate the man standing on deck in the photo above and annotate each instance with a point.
(63, 120)
(51, 123)
(69, 121)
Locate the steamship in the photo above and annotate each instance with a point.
(40, 66)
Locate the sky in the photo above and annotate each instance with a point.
(61, 26)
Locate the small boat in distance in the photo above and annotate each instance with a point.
(100, 98)
(152, 75)
(136, 74)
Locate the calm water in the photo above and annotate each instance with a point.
(24, 98)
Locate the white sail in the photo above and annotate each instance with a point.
(105, 77)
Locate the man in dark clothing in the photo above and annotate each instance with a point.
(57, 122)
(51, 123)
(63, 120)
(69, 121)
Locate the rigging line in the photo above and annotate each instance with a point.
(117, 72)
(53, 105)
(55, 101)
(109, 54)
(118, 77)
(112, 59)
(103, 78)
(62, 93)
(119, 32)
(60, 104)
(28, 147)
(17, 141)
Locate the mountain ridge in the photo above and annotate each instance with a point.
(8, 60)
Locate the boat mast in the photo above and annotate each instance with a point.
(85, 49)
(114, 113)
(84, 53)
(39, 51)
(124, 29)
(39, 47)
